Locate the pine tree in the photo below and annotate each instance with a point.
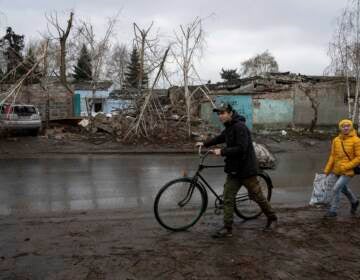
(229, 75)
(83, 70)
(12, 45)
(132, 75)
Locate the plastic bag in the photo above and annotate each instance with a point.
(265, 159)
(323, 189)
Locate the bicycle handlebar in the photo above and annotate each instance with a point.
(203, 155)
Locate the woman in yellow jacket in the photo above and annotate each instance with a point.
(344, 157)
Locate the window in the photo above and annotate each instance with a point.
(24, 110)
(97, 107)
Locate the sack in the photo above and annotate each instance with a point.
(265, 159)
(323, 189)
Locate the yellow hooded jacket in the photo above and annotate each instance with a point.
(338, 162)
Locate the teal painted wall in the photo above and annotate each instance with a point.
(241, 103)
(258, 112)
(268, 111)
(77, 105)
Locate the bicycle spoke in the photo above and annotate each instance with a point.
(246, 207)
(242, 197)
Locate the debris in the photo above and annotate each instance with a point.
(310, 143)
(196, 136)
(84, 123)
(175, 117)
(59, 137)
(265, 158)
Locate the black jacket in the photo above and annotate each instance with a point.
(239, 153)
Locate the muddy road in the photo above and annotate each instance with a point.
(128, 244)
(90, 217)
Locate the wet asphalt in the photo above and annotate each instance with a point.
(132, 181)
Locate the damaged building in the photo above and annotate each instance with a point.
(272, 101)
(93, 99)
(280, 100)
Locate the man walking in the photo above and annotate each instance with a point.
(240, 166)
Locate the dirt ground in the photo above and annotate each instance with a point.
(75, 143)
(129, 244)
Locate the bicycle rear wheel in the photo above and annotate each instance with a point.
(247, 208)
(179, 204)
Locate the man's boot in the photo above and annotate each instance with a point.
(225, 231)
(271, 223)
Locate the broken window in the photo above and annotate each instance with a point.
(98, 107)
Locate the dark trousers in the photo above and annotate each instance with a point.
(231, 188)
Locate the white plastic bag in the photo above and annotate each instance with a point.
(323, 189)
(264, 157)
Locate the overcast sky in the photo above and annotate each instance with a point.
(296, 32)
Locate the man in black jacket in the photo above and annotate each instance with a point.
(240, 165)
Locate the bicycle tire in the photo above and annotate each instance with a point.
(179, 204)
(247, 208)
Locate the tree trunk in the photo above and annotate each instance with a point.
(186, 84)
(187, 101)
(141, 73)
(357, 62)
(348, 95)
(63, 61)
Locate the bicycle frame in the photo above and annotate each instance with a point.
(198, 178)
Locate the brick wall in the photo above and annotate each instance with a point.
(60, 99)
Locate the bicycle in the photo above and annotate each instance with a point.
(180, 203)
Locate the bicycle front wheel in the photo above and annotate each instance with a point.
(247, 208)
(179, 204)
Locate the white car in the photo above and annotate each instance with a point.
(20, 117)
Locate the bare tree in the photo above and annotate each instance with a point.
(339, 54)
(153, 57)
(150, 52)
(344, 51)
(189, 42)
(62, 37)
(98, 51)
(140, 40)
(116, 65)
(53, 51)
(259, 64)
(150, 114)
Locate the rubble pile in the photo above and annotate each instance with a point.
(172, 130)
